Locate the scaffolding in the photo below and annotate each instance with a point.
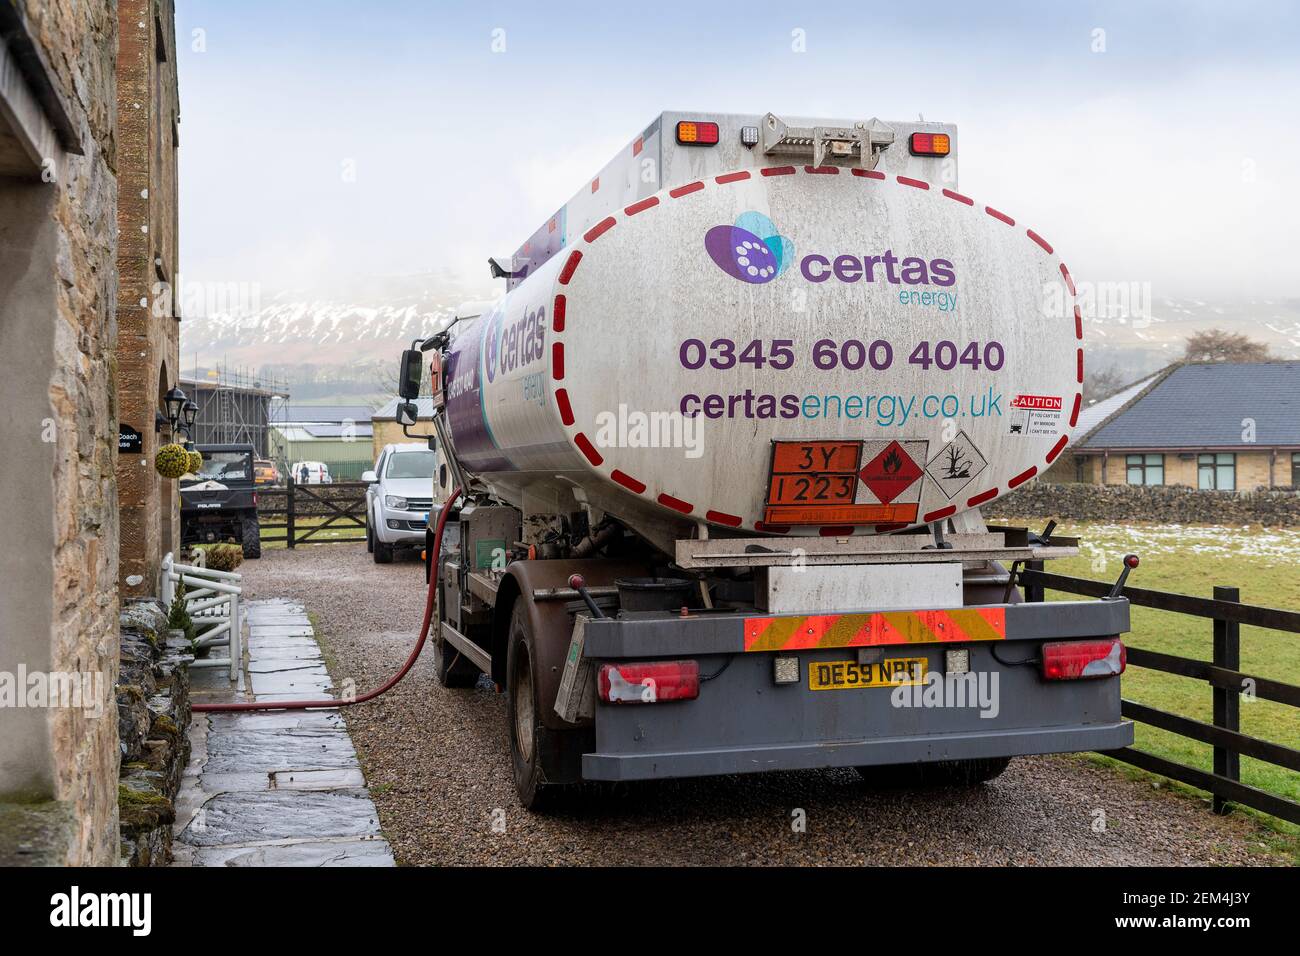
(234, 406)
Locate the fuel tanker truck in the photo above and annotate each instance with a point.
(718, 454)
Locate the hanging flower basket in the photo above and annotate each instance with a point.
(196, 462)
(172, 461)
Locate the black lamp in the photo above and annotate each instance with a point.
(189, 411)
(174, 400)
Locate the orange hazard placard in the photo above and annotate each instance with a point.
(810, 479)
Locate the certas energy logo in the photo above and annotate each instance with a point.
(751, 250)
(515, 345)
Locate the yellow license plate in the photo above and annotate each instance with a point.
(850, 675)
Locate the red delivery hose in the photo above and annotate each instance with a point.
(392, 681)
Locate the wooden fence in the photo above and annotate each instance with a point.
(1223, 676)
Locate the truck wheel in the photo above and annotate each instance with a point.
(370, 537)
(383, 552)
(529, 738)
(250, 536)
(943, 773)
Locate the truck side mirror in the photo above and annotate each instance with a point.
(407, 413)
(408, 379)
(369, 477)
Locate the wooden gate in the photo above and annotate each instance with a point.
(313, 514)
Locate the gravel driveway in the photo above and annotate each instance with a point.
(437, 764)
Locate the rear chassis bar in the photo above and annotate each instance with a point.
(744, 722)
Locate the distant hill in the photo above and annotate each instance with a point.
(341, 342)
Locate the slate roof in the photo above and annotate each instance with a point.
(297, 413)
(1203, 405)
(389, 411)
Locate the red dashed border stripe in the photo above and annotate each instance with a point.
(636, 486)
(570, 267)
(721, 517)
(685, 507)
(588, 449)
(1021, 478)
(627, 481)
(599, 229)
(999, 216)
(566, 410)
(641, 206)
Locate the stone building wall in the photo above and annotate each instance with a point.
(1255, 469)
(57, 333)
(148, 329)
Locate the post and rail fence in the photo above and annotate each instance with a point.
(1223, 675)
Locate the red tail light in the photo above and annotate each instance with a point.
(694, 133)
(1081, 660)
(255, 499)
(650, 682)
(930, 144)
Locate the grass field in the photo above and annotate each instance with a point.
(1265, 565)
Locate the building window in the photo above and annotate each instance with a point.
(1146, 469)
(1216, 472)
(1295, 469)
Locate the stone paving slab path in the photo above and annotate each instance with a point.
(274, 788)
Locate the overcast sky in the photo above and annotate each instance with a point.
(1170, 156)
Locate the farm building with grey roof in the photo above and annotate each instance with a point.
(1208, 425)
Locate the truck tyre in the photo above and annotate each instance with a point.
(250, 535)
(943, 773)
(530, 741)
(383, 552)
(370, 537)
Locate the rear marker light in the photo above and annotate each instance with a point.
(1082, 660)
(693, 133)
(956, 662)
(785, 670)
(930, 144)
(651, 682)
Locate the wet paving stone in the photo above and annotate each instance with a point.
(331, 853)
(254, 817)
(275, 788)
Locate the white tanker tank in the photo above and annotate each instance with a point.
(769, 346)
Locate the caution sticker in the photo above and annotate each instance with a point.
(1037, 416)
